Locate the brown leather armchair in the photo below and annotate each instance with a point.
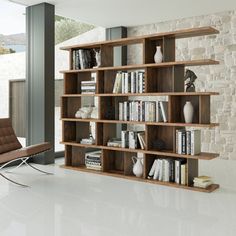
(11, 149)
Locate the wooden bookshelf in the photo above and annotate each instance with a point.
(163, 79)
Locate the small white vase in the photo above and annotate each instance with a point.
(188, 112)
(98, 58)
(138, 166)
(158, 57)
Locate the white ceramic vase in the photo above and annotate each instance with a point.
(158, 57)
(188, 112)
(137, 167)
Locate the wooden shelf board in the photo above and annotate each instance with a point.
(184, 33)
(120, 174)
(211, 125)
(201, 156)
(142, 94)
(151, 65)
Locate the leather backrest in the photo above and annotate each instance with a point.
(8, 139)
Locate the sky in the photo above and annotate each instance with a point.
(12, 18)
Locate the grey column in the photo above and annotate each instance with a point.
(40, 77)
(120, 58)
(120, 53)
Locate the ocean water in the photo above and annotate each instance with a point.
(16, 47)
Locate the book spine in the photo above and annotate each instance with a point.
(183, 143)
(177, 171)
(188, 142)
(124, 139)
(152, 170)
(123, 82)
(179, 142)
(121, 111)
(183, 174)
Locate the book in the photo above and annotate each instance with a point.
(183, 174)
(133, 139)
(121, 111)
(178, 163)
(157, 170)
(158, 112)
(117, 88)
(124, 138)
(141, 140)
(164, 110)
(114, 142)
(195, 142)
(152, 170)
(188, 142)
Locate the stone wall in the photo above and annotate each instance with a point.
(219, 78)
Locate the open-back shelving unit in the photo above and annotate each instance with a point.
(164, 79)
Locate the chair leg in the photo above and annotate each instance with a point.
(33, 167)
(12, 181)
(14, 168)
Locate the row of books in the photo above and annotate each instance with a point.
(149, 111)
(188, 142)
(133, 139)
(88, 87)
(93, 160)
(169, 170)
(83, 59)
(129, 82)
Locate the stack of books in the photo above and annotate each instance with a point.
(129, 82)
(114, 142)
(88, 87)
(93, 160)
(169, 170)
(133, 139)
(149, 111)
(202, 181)
(89, 140)
(188, 142)
(83, 59)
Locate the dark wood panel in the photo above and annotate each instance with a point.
(204, 110)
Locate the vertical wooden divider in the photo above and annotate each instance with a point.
(68, 155)
(204, 109)
(168, 49)
(192, 170)
(107, 55)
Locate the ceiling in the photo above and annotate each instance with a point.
(111, 13)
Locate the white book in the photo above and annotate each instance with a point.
(125, 109)
(164, 110)
(180, 141)
(157, 170)
(137, 81)
(126, 82)
(123, 82)
(132, 78)
(167, 170)
(161, 167)
(152, 170)
(121, 111)
(195, 142)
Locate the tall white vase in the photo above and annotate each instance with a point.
(188, 112)
(158, 57)
(137, 167)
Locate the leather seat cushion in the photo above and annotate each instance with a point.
(25, 152)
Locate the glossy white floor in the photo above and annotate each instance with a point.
(72, 203)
